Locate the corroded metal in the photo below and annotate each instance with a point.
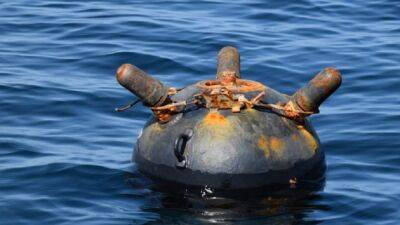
(229, 133)
(238, 86)
(223, 95)
(288, 110)
(310, 97)
(150, 90)
(164, 113)
(228, 65)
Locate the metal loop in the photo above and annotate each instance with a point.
(179, 148)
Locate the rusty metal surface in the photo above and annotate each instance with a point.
(288, 110)
(212, 94)
(310, 97)
(221, 95)
(238, 86)
(228, 64)
(150, 90)
(164, 113)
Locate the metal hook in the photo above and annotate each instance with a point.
(128, 106)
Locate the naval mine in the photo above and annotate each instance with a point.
(229, 133)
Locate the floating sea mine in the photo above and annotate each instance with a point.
(229, 133)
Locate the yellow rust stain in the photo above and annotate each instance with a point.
(273, 145)
(251, 110)
(263, 145)
(295, 137)
(310, 140)
(215, 119)
(277, 146)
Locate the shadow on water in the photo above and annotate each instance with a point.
(177, 204)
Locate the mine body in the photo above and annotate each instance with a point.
(229, 133)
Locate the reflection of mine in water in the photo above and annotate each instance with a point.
(281, 205)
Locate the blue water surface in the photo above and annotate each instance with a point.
(65, 155)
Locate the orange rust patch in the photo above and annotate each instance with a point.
(277, 146)
(295, 137)
(215, 119)
(309, 138)
(263, 145)
(215, 127)
(272, 145)
(251, 110)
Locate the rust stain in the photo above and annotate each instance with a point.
(295, 137)
(277, 146)
(291, 111)
(215, 119)
(309, 138)
(240, 86)
(272, 145)
(227, 77)
(263, 145)
(215, 127)
(164, 113)
(252, 112)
